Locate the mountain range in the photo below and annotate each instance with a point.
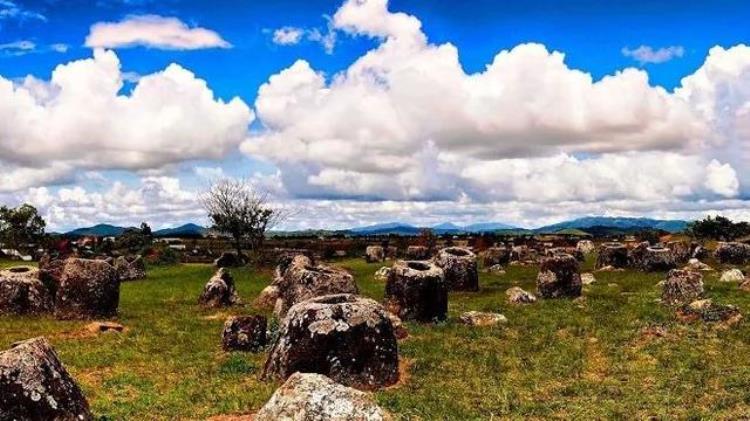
(591, 224)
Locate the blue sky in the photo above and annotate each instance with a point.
(664, 41)
(591, 33)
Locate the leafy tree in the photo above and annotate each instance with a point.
(135, 239)
(236, 209)
(21, 226)
(718, 228)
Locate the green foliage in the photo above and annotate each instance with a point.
(21, 226)
(163, 255)
(135, 240)
(718, 228)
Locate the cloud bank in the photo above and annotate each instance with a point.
(403, 133)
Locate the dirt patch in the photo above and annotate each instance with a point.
(238, 417)
(404, 373)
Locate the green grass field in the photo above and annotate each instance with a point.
(590, 358)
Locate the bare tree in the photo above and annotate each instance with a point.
(237, 209)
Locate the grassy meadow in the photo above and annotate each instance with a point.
(616, 353)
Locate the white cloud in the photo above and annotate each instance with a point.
(79, 119)
(153, 31)
(60, 48)
(647, 54)
(17, 48)
(288, 35)
(722, 179)
(12, 10)
(404, 122)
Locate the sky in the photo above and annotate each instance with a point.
(356, 112)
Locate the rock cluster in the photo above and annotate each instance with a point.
(345, 337)
(416, 290)
(733, 253)
(559, 277)
(21, 292)
(244, 333)
(219, 291)
(298, 280)
(34, 385)
(460, 268)
(309, 396)
(682, 287)
(374, 254)
(87, 289)
(708, 311)
(612, 254)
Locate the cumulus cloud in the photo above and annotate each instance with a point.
(80, 120)
(647, 54)
(155, 32)
(405, 123)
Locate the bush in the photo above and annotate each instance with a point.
(163, 256)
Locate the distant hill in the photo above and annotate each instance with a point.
(187, 230)
(397, 228)
(598, 224)
(101, 230)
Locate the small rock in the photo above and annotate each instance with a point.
(517, 295)
(244, 333)
(104, 327)
(610, 269)
(732, 275)
(587, 278)
(478, 318)
(696, 265)
(382, 273)
(495, 270)
(314, 397)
